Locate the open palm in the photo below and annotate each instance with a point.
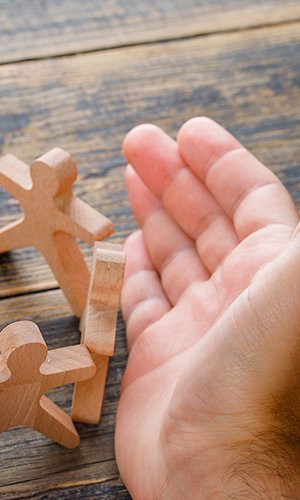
(211, 216)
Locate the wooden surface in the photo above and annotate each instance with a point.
(164, 62)
(46, 28)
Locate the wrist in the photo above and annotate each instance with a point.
(265, 467)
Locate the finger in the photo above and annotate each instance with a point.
(172, 252)
(155, 157)
(143, 299)
(248, 192)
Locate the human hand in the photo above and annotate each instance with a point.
(208, 406)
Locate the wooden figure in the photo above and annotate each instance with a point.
(98, 328)
(53, 219)
(28, 371)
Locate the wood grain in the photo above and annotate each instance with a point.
(86, 104)
(247, 80)
(107, 490)
(46, 28)
(40, 464)
(27, 371)
(53, 219)
(98, 327)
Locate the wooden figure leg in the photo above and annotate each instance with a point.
(56, 424)
(13, 236)
(88, 395)
(70, 270)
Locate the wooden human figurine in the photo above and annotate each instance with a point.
(27, 371)
(53, 219)
(98, 327)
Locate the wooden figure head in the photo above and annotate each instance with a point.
(23, 350)
(53, 173)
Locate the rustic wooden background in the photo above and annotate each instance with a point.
(79, 75)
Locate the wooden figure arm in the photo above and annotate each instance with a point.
(15, 176)
(13, 235)
(67, 365)
(88, 224)
(100, 330)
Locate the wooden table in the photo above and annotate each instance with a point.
(79, 75)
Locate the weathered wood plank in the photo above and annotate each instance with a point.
(108, 490)
(249, 81)
(30, 462)
(38, 28)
